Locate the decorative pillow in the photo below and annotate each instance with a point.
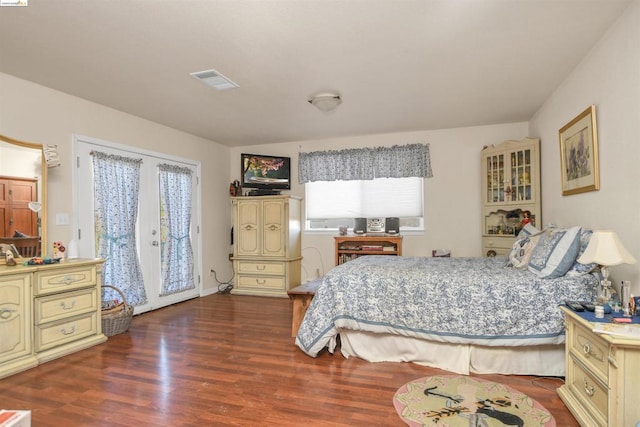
(528, 230)
(523, 247)
(581, 269)
(555, 252)
(526, 251)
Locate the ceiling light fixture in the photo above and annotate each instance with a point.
(325, 101)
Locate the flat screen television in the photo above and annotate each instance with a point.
(265, 174)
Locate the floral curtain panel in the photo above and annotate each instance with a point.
(116, 187)
(398, 161)
(175, 214)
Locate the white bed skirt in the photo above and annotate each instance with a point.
(543, 360)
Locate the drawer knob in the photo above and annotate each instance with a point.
(586, 348)
(69, 307)
(260, 267)
(68, 331)
(261, 281)
(5, 313)
(68, 280)
(590, 390)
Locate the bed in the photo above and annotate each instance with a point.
(458, 314)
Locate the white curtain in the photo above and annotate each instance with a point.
(116, 187)
(175, 208)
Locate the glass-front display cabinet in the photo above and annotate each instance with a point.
(511, 192)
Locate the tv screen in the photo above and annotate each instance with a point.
(266, 172)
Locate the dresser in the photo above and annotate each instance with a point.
(47, 312)
(267, 245)
(602, 383)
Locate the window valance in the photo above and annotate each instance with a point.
(398, 161)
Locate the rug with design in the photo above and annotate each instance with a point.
(454, 400)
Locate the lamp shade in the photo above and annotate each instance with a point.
(605, 248)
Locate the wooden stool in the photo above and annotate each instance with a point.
(301, 297)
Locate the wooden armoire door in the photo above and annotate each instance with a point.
(15, 195)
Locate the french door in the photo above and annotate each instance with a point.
(153, 234)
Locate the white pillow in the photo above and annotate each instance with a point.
(524, 256)
(555, 253)
(528, 230)
(523, 247)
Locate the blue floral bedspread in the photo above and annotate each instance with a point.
(456, 300)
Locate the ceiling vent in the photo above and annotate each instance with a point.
(215, 80)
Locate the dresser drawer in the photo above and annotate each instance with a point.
(56, 280)
(591, 350)
(588, 390)
(51, 335)
(67, 304)
(256, 267)
(261, 282)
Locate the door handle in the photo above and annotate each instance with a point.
(154, 243)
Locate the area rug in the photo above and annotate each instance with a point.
(454, 400)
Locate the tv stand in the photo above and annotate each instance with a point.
(264, 192)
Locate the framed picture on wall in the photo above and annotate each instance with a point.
(579, 154)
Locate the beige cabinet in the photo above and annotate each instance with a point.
(47, 312)
(510, 190)
(602, 375)
(266, 254)
(16, 345)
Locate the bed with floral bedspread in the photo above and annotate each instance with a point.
(477, 301)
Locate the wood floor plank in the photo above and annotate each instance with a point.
(224, 360)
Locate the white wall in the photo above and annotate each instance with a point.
(452, 197)
(34, 113)
(609, 78)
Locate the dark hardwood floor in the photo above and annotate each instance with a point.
(223, 360)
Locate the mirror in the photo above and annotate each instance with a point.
(23, 197)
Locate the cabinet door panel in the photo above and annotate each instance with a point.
(4, 222)
(4, 191)
(248, 228)
(273, 229)
(24, 220)
(15, 323)
(22, 191)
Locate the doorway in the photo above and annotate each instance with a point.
(165, 235)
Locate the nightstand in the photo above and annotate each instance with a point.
(602, 383)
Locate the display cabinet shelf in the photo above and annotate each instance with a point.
(348, 248)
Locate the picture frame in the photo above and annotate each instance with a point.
(579, 169)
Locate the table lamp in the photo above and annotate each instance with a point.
(606, 250)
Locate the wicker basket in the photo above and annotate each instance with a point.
(116, 320)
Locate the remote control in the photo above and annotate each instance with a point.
(574, 305)
(589, 306)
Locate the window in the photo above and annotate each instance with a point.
(333, 203)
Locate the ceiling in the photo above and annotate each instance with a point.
(399, 65)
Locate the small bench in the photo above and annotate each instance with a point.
(301, 297)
